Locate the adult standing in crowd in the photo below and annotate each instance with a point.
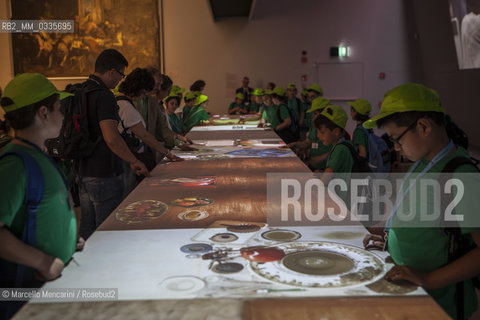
(245, 90)
(101, 187)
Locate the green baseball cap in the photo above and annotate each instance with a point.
(404, 98)
(177, 90)
(304, 92)
(268, 92)
(27, 88)
(361, 105)
(279, 91)
(336, 114)
(171, 96)
(201, 99)
(292, 86)
(258, 92)
(318, 104)
(315, 87)
(190, 96)
(240, 96)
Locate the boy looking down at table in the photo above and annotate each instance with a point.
(414, 120)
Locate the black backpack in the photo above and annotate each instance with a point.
(74, 141)
(458, 244)
(293, 121)
(360, 163)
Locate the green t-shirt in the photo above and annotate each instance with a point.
(318, 148)
(296, 106)
(340, 159)
(360, 138)
(270, 114)
(193, 117)
(253, 107)
(308, 122)
(56, 224)
(426, 249)
(176, 123)
(234, 105)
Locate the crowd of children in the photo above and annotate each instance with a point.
(140, 124)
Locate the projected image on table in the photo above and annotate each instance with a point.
(189, 202)
(260, 153)
(200, 181)
(141, 211)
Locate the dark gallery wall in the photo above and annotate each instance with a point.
(459, 90)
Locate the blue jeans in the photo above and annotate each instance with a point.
(98, 198)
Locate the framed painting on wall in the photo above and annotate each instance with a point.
(131, 27)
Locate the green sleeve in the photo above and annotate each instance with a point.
(231, 106)
(340, 159)
(13, 192)
(284, 114)
(360, 138)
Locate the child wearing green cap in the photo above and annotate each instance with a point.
(257, 104)
(32, 106)
(270, 114)
(312, 148)
(360, 112)
(284, 130)
(330, 124)
(414, 120)
(197, 115)
(238, 107)
(313, 91)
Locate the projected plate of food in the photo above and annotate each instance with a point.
(321, 265)
(141, 211)
(188, 202)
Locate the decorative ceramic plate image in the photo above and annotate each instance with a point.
(321, 265)
(196, 248)
(141, 211)
(227, 267)
(188, 202)
(264, 153)
(224, 237)
(193, 215)
(281, 235)
(182, 284)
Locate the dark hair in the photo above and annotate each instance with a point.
(281, 98)
(110, 59)
(360, 117)
(271, 84)
(321, 121)
(197, 85)
(166, 82)
(154, 71)
(24, 117)
(4, 126)
(172, 97)
(188, 100)
(136, 81)
(404, 119)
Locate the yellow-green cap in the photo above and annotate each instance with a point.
(279, 91)
(240, 96)
(268, 92)
(258, 92)
(304, 92)
(177, 90)
(361, 105)
(197, 93)
(336, 114)
(28, 88)
(201, 99)
(318, 104)
(190, 96)
(170, 96)
(315, 87)
(404, 98)
(292, 86)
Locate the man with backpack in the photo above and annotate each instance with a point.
(37, 224)
(101, 187)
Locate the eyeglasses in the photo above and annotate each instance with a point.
(120, 73)
(397, 139)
